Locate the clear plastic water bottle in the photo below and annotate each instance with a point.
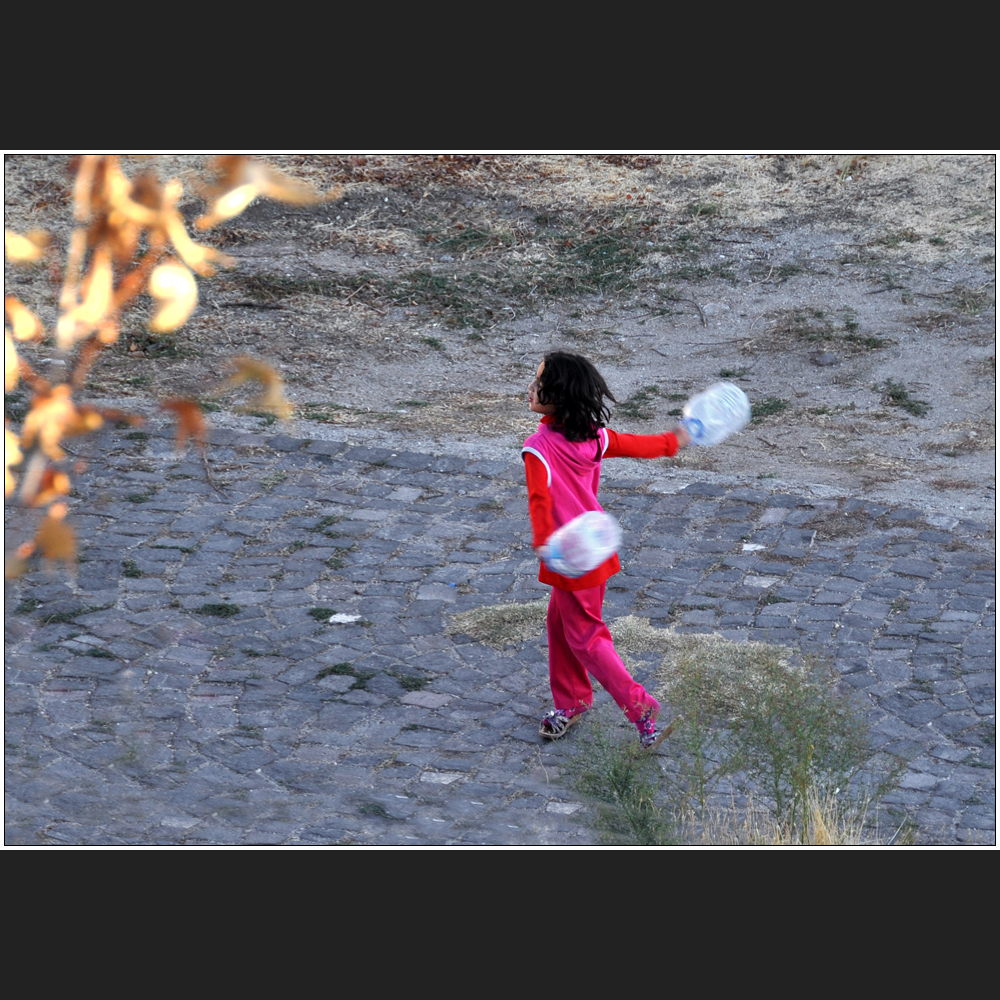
(582, 544)
(714, 414)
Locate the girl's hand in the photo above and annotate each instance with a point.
(542, 552)
(683, 438)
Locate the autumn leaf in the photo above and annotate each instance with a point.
(176, 292)
(15, 565)
(272, 398)
(109, 414)
(242, 179)
(25, 249)
(191, 423)
(55, 538)
(53, 484)
(97, 288)
(11, 456)
(52, 417)
(24, 324)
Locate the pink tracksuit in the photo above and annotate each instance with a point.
(563, 477)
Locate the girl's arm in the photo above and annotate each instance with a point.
(646, 445)
(539, 500)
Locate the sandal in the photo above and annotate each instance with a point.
(649, 738)
(555, 723)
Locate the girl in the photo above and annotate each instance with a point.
(562, 463)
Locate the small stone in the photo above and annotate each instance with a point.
(824, 360)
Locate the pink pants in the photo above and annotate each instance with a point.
(579, 642)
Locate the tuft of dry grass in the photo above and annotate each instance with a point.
(731, 664)
(499, 625)
(830, 822)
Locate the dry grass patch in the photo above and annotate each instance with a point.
(972, 434)
(830, 821)
(500, 625)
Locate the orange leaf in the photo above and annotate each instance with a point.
(11, 456)
(52, 417)
(97, 288)
(197, 257)
(55, 537)
(25, 325)
(242, 179)
(53, 484)
(190, 422)
(176, 292)
(25, 249)
(14, 566)
(272, 399)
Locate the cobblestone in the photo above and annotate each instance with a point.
(196, 729)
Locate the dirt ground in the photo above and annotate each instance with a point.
(851, 296)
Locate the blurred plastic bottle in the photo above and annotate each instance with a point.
(582, 544)
(714, 414)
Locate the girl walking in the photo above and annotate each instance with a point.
(562, 463)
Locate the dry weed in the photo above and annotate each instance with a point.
(500, 625)
(831, 821)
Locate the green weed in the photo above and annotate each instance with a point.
(786, 271)
(322, 614)
(903, 236)
(325, 522)
(347, 670)
(273, 479)
(703, 209)
(218, 610)
(969, 301)
(62, 617)
(15, 406)
(267, 289)
(801, 325)
(744, 712)
(375, 809)
(470, 239)
(868, 343)
(771, 598)
(324, 413)
(767, 408)
(339, 669)
(640, 405)
(792, 732)
(131, 570)
(412, 682)
(620, 779)
(896, 394)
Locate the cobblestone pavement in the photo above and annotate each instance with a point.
(136, 717)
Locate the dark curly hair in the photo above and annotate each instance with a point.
(577, 390)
